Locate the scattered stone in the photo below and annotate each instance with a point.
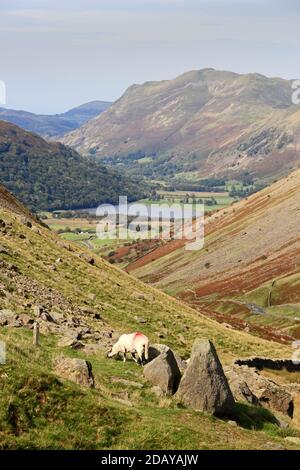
(26, 320)
(157, 349)
(204, 386)
(25, 222)
(47, 317)
(76, 370)
(127, 383)
(58, 317)
(293, 440)
(227, 325)
(157, 391)
(70, 343)
(97, 336)
(123, 398)
(107, 334)
(9, 318)
(281, 423)
(138, 296)
(140, 320)
(86, 257)
(97, 316)
(73, 333)
(3, 251)
(91, 296)
(239, 387)
(232, 423)
(160, 335)
(66, 246)
(269, 393)
(163, 371)
(37, 310)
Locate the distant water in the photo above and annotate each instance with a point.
(156, 211)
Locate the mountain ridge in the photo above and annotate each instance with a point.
(54, 125)
(204, 123)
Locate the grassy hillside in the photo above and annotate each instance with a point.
(249, 266)
(202, 124)
(47, 175)
(39, 410)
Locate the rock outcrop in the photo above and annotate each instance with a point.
(267, 392)
(163, 372)
(239, 386)
(156, 349)
(204, 385)
(76, 370)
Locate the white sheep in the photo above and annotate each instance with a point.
(134, 343)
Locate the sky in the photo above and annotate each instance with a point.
(57, 54)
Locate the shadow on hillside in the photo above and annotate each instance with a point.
(253, 417)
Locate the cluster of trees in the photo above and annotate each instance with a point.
(51, 176)
(245, 192)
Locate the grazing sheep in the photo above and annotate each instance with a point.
(135, 343)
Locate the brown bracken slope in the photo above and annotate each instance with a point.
(249, 267)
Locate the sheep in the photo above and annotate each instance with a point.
(134, 343)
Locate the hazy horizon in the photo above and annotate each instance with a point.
(60, 54)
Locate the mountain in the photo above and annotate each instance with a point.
(54, 125)
(73, 295)
(203, 124)
(249, 268)
(48, 176)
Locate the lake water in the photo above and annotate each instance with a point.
(153, 211)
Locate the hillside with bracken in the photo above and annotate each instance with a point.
(248, 272)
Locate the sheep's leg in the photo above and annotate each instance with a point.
(134, 358)
(124, 356)
(140, 356)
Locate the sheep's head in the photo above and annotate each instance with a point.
(109, 353)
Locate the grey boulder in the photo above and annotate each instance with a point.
(76, 370)
(163, 372)
(204, 386)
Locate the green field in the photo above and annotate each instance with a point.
(219, 200)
